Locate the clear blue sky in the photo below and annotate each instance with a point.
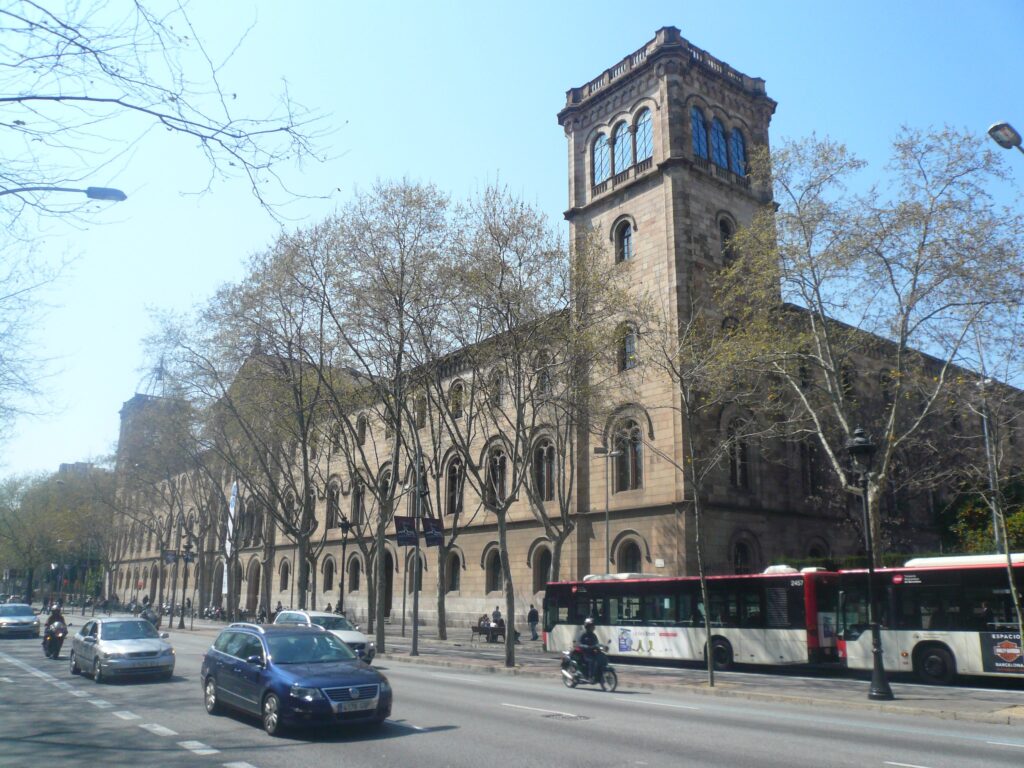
(461, 95)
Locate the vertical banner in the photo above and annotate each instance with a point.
(227, 538)
(433, 531)
(405, 531)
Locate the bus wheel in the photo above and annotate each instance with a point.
(721, 653)
(935, 666)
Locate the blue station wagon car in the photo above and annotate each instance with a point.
(292, 675)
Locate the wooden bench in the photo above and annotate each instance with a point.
(490, 634)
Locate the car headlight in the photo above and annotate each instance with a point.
(306, 694)
(3, 623)
(167, 652)
(385, 686)
(108, 656)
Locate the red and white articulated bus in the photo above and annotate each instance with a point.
(782, 616)
(939, 617)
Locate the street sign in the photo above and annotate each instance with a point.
(405, 531)
(433, 531)
(170, 557)
(188, 557)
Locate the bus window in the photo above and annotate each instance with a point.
(590, 608)
(751, 614)
(853, 613)
(623, 610)
(659, 609)
(724, 609)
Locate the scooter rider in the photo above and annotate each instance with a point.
(55, 616)
(591, 648)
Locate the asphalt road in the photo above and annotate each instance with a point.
(444, 716)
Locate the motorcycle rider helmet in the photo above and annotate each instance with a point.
(588, 623)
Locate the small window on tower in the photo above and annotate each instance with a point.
(624, 242)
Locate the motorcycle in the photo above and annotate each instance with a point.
(53, 639)
(573, 670)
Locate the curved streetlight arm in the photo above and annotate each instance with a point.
(93, 193)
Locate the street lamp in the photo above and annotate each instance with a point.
(93, 193)
(600, 450)
(186, 557)
(345, 526)
(1006, 136)
(861, 451)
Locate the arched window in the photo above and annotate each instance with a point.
(257, 526)
(360, 430)
(284, 576)
(419, 408)
(496, 395)
(629, 462)
(622, 148)
(453, 575)
(497, 476)
(384, 489)
(602, 159)
(541, 569)
(700, 133)
(810, 469)
(353, 575)
(643, 136)
(544, 470)
(725, 233)
(719, 152)
(738, 153)
(358, 503)
(628, 338)
(739, 455)
(494, 581)
(629, 559)
(454, 480)
(743, 558)
(455, 397)
(333, 497)
(624, 242)
(328, 576)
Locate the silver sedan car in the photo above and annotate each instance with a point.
(107, 647)
(18, 620)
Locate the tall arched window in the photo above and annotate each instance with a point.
(494, 580)
(719, 152)
(629, 462)
(360, 430)
(602, 159)
(455, 397)
(328, 576)
(285, 569)
(497, 475)
(541, 569)
(419, 411)
(742, 558)
(358, 503)
(700, 133)
(624, 242)
(454, 480)
(333, 510)
(496, 395)
(725, 233)
(628, 338)
(629, 559)
(257, 526)
(622, 146)
(544, 470)
(738, 153)
(353, 575)
(644, 139)
(739, 455)
(453, 573)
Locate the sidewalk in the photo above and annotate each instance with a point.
(975, 702)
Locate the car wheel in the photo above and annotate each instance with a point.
(97, 671)
(210, 698)
(936, 666)
(272, 715)
(73, 663)
(609, 680)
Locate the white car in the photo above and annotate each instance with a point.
(337, 625)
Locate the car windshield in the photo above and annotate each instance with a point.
(308, 649)
(332, 622)
(15, 610)
(127, 630)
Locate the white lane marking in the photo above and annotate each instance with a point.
(80, 694)
(905, 765)
(463, 679)
(410, 726)
(100, 703)
(536, 709)
(239, 765)
(662, 704)
(1005, 744)
(62, 685)
(6, 680)
(157, 730)
(124, 714)
(198, 748)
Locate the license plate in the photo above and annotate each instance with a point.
(358, 706)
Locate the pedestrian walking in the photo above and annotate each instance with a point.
(532, 618)
(496, 615)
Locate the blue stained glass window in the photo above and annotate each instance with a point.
(624, 242)
(719, 154)
(700, 134)
(739, 153)
(622, 143)
(602, 161)
(644, 139)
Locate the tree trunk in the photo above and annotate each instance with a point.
(442, 581)
(381, 581)
(510, 595)
(302, 561)
(556, 558)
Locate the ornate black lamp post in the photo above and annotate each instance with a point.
(187, 558)
(862, 450)
(345, 526)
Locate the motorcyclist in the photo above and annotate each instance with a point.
(591, 649)
(54, 617)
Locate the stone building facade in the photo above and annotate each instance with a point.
(657, 148)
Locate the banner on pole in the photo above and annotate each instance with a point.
(405, 531)
(433, 531)
(227, 537)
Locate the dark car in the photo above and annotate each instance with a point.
(292, 675)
